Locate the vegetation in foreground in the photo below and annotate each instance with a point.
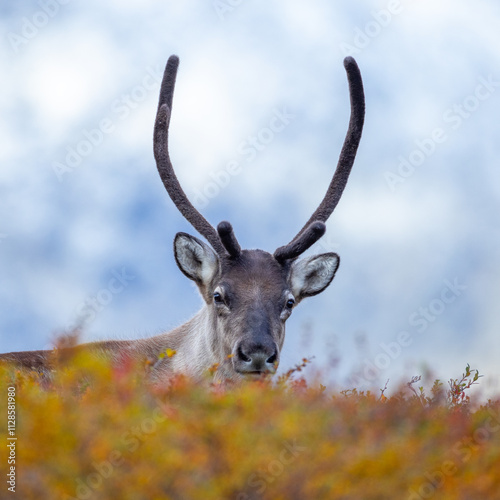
(113, 436)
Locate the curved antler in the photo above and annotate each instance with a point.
(164, 164)
(301, 243)
(346, 160)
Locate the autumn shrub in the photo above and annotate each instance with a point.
(98, 431)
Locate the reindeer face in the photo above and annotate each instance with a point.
(250, 297)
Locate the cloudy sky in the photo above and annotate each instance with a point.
(81, 202)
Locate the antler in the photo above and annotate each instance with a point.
(308, 235)
(226, 240)
(301, 242)
(223, 239)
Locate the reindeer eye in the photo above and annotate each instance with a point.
(290, 303)
(218, 298)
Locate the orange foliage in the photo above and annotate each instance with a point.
(99, 432)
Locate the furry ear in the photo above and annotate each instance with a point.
(311, 276)
(195, 259)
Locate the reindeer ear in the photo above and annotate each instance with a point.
(195, 259)
(311, 276)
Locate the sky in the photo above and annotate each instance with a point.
(82, 206)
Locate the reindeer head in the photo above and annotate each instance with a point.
(251, 293)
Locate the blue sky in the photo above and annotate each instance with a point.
(416, 229)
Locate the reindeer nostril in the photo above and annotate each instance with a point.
(243, 356)
(272, 359)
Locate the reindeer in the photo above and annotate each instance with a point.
(248, 294)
